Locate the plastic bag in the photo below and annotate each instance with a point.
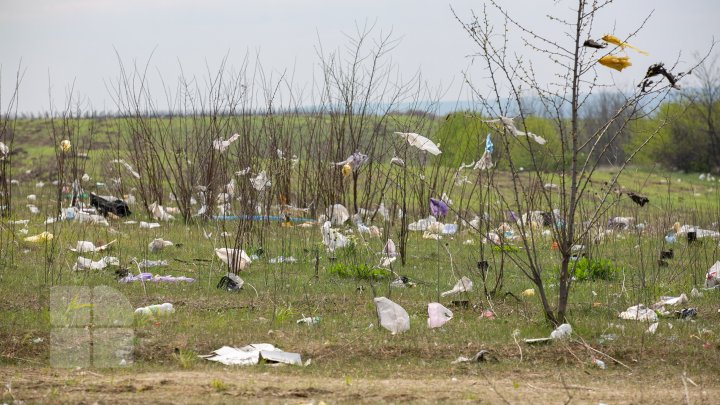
(438, 315)
(712, 278)
(392, 316)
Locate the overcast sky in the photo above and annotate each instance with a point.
(64, 41)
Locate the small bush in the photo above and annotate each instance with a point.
(359, 271)
(603, 269)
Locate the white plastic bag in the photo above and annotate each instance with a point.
(712, 278)
(438, 315)
(562, 332)
(639, 313)
(464, 285)
(392, 316)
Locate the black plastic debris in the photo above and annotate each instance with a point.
(686, 313)
(691, 236)
(485, 356)
(667, 254)
(463, 304)
(117, 207)
(591, 43)
(638, 199)
(230, 282)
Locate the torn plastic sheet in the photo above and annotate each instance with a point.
(639, 313)
(463, 285)
(84, 246)
(252, 354)
(149, 277)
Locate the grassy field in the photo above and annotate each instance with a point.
(351, 357)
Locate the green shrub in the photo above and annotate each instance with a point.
(602, 269)
(359, 271)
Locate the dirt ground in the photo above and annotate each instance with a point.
(233, 385)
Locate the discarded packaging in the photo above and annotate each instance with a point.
(438, 315)
(157, 309)
(562, 332)
(149, 225)
(682, 299)
(464, 285)
(639, 313)
(686, 313)
(712, 278)
(599, 363)
(236, 259)
(309, 320)
(83, 263)
(84, 246)
(43, 237)
(252, 354)
(149, 277)
(152, 263)
(159, 244)
(231, 282)
(392, 316)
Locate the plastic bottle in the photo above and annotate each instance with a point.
(599, 363)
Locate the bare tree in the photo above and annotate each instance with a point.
(510, 80)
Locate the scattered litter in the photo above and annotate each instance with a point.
(480, 357)
(152, 263)
(157, 309)
(148, 225)
(109, 206)
(261, 181)
(464, 285)
(83, 263)
(537, 340)
(712, 278)
(682, 299)
(653, 328)
(562, 332)
(127, 167)
(695, 293)
(84, 246)
(43, 237)
(230, 282)
(149, 277)
(608, 337)
(309, 320)
(252, 354)
(159, 244)
(402, 281)
(236, 259)
(332, 239)
(281, 259)
(392, 316)
(159, 213)
(438, 315)
(222, 144)
(528, 293)
(686, 313)
(599, 363)
(639, 313)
